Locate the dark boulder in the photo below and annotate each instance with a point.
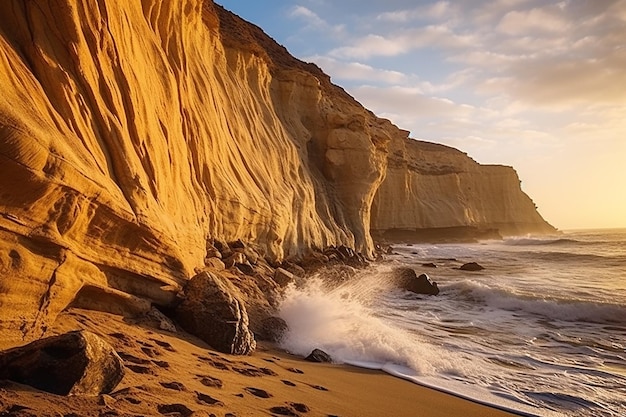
(429, 265)
(212, 311)
(318, 355)
(272, 329)
(410, 281)
(75, 363)
(471, 266)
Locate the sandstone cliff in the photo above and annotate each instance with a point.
(432, 191)
(135, 134)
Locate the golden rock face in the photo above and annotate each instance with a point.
(432, 186)
(133, 133)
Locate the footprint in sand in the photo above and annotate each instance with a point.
(254, 371)
(140, 369)
(295, 370)
(207, 399)
(291, 409)
(127, 357)
(150, 351)
(165, 345)
(214, 363)
(284, 410)
(161, 364)
(176, 386)
(318, 387)
(303, 408)
(257, 392)
(209, 381)
(174, 410)
(289, 383)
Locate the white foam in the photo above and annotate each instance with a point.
(552, 308)
(346, 322)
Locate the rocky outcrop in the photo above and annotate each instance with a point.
(132, 133)
(76, 363)
(434, 192)
(471, 266)
(135, 136)
(407, 279)
(213, 311)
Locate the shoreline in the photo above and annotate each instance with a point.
(176, 374)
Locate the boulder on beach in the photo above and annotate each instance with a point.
(75, 363)
(471, 266)
(213, 311)
(410, 281)
(318, 355)
(272, 329)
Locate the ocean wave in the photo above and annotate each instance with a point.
(520, 241)
(551, 308)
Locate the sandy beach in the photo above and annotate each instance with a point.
(176, 374)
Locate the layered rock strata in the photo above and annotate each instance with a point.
(131, 133)
(135, 135)
(434, 192)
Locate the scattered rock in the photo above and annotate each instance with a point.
(295, 269)
(212, 252)
(283, 277)
(272, 329)
(471, 266)
(237, 244)
(223, 248)
(246, 268)
(318, 355)
(421, 284)
(164, 322)
(237, 258)
(215, 263)
(75, 363)
(429, 265)
(212, 311)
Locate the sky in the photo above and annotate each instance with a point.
(537, 85)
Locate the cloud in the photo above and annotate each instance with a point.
(438, 10)
(356, 71)
(308, 15)
(410, 101)
(314, 21)
(403, 41)
(371, 45)
(520, 23)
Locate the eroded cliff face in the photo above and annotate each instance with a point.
(133, 133)
(432, 191)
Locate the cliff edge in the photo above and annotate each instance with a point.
(435, 192)
(136, 135)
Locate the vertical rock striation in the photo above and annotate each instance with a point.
(131, 133)
(134, 133)
(432, 191)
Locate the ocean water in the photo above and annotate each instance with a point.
(541, 331)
